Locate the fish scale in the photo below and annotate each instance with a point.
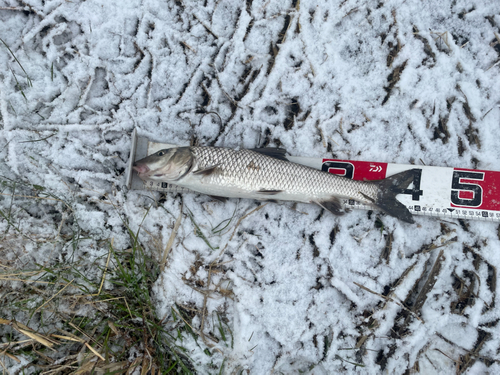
(252, 171)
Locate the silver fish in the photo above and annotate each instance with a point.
(266, 174)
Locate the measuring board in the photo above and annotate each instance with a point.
(455, 193)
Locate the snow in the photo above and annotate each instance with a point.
(100, 68)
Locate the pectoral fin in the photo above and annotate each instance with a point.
(206, 171)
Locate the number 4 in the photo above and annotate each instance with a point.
(415, 192)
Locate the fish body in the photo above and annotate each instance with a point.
(265, 174)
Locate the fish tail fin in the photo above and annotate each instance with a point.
(388, 189)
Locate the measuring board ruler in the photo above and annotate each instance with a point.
(454, 193)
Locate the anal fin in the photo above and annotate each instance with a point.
(333, 205)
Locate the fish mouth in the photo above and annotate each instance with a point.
(145, 172)
(141, 168)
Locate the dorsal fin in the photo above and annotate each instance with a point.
(277, 153)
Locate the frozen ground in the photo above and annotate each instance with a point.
(391, 81)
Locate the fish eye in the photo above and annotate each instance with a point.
(161, 153)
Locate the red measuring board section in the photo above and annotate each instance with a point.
(357, 170)
(475, 189)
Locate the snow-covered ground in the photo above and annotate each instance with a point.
(405, 82)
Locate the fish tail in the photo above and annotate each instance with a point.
(388, 189)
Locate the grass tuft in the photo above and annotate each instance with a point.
(199, 232)
(83, 316)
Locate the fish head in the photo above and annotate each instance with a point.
(169, 164)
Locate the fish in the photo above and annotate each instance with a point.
(266, 174)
